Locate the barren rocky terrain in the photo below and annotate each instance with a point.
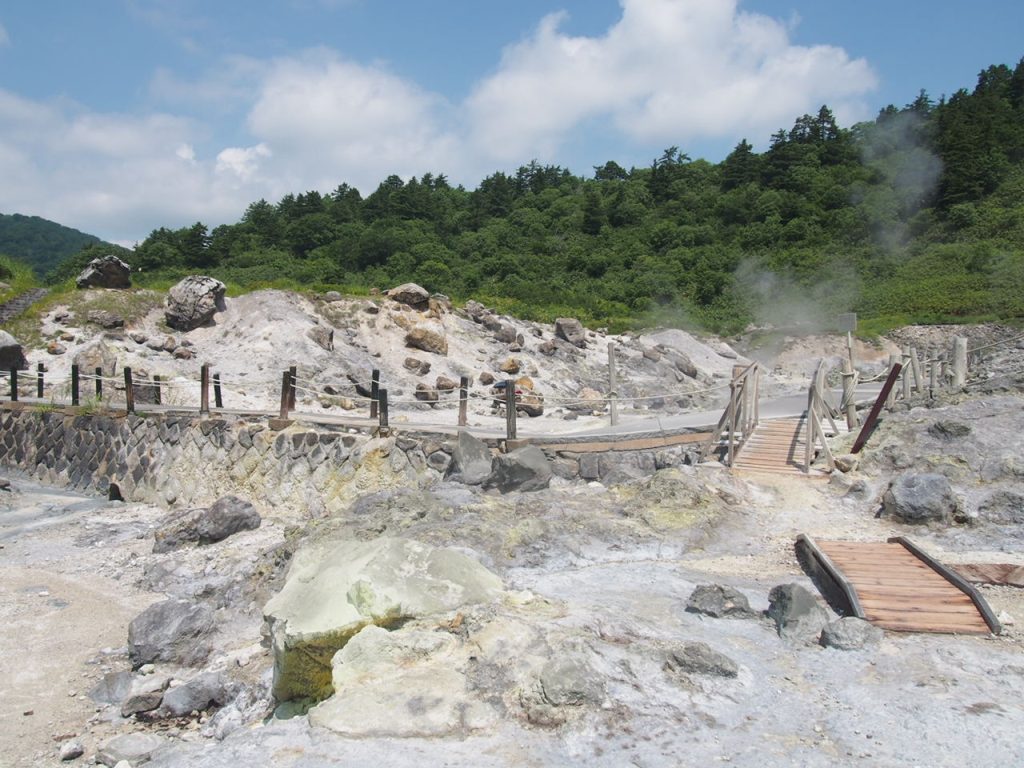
(554, 627)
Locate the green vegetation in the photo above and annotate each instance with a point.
(17, 276)
(40, 243)
(916, 216)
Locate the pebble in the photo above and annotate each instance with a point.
(70, 750)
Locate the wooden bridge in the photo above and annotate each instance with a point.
(896, 586)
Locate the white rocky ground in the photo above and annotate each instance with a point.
(587, 658)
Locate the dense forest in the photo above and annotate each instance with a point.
(916, 216)
(41, 243)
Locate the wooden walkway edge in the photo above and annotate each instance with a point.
(895, 585)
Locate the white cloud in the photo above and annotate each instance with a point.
(242, 162)
(5, 39)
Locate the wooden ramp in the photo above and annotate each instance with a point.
(775, 446)
(895, 586)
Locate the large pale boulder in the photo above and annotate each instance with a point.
(175, 631)
(105, 272)
(471, 460)
(193, 302)
(524, 469)
(12, 354)
(428, 337)
(572, 330)
(409, 293)
(95, 355)
(336, 588)
(921, 498)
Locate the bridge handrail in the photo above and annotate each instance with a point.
(817, 407)
(741, 414)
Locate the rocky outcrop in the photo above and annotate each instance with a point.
(700, 659)
(427, 337)
(105, 319)
(95, 355)
(471, 460)
(174, 631)
(524, 469)
(336, 588)
(226, 517)
(105, 272)
(920, 499)
(193, 302)
(796, 612)
(718, 601)
(850, 634)
(571, 330)
(12, 353)
(322, 336)
(411, 294)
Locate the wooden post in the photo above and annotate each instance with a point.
(382, 396)
(98, 373)
(39, 381)
(218, 401)
(374, 392)
(285, 381)
(156, 390)
(510, 409)
(74, 384)
(14, 385)
(915, 366)
(613, 407)
(905, 363)
(893, 362)
(293, 374)
(933, 376)
(883, 397)
(849, 378)
(129, 390)
(463, 399)
(204, 388)
(959, 362)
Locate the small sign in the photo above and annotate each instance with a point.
(848, 322)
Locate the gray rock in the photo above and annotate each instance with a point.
(429, 338)
(112, 689)
(193, 302)
(425, 393)
(505, 333)
(921, 498)
(796, 612)
(571, 330)
(524, 469)
(105, 319)
(172, 631)
(227, 516)
(71, 749)
(471, 460)
(418, 367)
(1003, 507)
(570, 681)
(95, 355)
(948, 430)
(682, 363)
(322, 336)
(12, 354)
(411, 294)
(145, 701)
(105, 272)
(718, 601)
(849, 634)
(197, 695)
(701, 659)
(332, 296)
(134, 748)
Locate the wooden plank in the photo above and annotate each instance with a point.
(886, 614)
(934, 627)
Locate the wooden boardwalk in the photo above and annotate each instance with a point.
(895, 586)
(775, 446)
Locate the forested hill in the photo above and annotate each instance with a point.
(38, 242)
(917, 215)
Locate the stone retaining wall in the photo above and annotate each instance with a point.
(189, 461)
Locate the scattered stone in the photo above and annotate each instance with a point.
(588, 400)
(332, 296)
(850, 633)
(71, 749)
(796, 612)
(336, 588)
(1003, 507)
(95, 355)
(105, 319)
(471, 460)
(225, 517)
(505, 334)
(524, 469)
(652, 354)
(475, 310)
(444, 384)
(53, 348)
(112, 689)
(173, 631)
(510, 365)
(138, 337)
(701, 659)
(948, 430)
(12, 354)
(571, 330)
(322, 336)
(197, 695)
(412, 295)
(429, 338)
(193, 302)
(530, 403)
(182, 353)
(133, 748)
(425, 393)
(105, 272)
(847, 462)
(548, 347)
(718, 601)
(920, 499)
(486, 378)
(418, 367)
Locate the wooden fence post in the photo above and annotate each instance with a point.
(463, 399)
(613, 407)
(915, 366)
(293, 375)
(510, 409)
(129, 390)
(99, 383)
(74, 384)
(959, 362)
(156, 390)
(374, 392)
(39, 380)
(204, 388)
(285, 388)
(907, 373)
(218, 401)
(848, 394)
(382, 398)
(14, 385)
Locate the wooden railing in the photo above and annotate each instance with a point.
(741, 415)
(818, 409)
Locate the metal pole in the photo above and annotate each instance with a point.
(39, 381)
(613, 407)
(463, 399)
(99, 383)
(374, 392)
(14, 385)
(204, 388)
(129, 391)
(156, 390)
(510, 409)
(74, 384)
(218, 401)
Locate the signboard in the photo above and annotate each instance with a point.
(848, 322)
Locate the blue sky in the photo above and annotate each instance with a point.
(120, 116)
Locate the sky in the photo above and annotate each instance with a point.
(121, 116)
